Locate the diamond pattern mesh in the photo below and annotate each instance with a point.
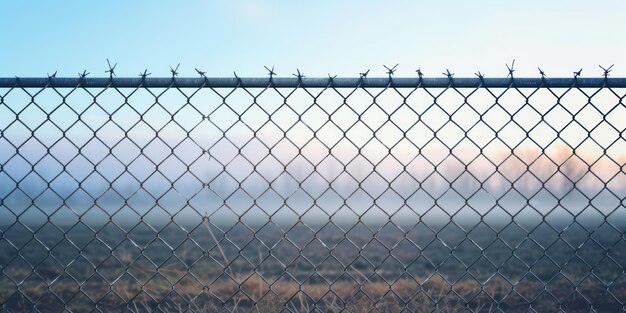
(312, 199)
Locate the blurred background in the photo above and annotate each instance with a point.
(268, 199)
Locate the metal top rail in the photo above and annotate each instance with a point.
(311, 82)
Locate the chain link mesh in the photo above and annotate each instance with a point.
(298, 199)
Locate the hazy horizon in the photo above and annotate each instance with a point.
(379, 152)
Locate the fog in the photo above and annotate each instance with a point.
(369, 156)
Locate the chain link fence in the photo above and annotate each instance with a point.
(312, 194)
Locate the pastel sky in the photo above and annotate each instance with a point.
(317, 37)
(340, 37)
(321, 37)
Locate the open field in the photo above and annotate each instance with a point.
(205, 268)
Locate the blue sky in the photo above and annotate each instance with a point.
(340, 37)
(318, 37)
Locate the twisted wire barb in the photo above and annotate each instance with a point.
(233, 194)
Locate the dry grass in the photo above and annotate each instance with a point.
(252, 292)
(133, 285)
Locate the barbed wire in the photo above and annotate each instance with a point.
(318, 200)
(332, 80)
